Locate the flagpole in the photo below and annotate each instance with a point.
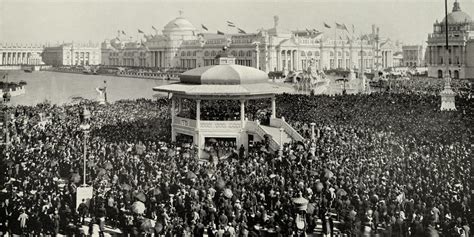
(335, 46)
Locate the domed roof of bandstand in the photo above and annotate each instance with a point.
(225, 79)
(457, 16)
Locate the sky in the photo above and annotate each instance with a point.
(43, 21)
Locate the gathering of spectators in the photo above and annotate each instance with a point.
(385, 163)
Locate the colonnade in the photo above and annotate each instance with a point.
(19, 58)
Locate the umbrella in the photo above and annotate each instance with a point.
(156, 191)
(101, 172)
(75, 178)
(108, 165)
(301, 203)
(328, 174)
(141, 197)
(191, 175)
(341, 192)
(138, 207)
(147, 226)
(228, 193)
(91, 163)
(126, 187)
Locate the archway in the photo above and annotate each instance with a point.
(440, 73)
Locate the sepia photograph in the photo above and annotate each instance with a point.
(230, 118)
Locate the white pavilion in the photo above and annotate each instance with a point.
(227, 81)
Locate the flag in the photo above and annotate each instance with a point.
(327, 26)
(220, 32)
(340, 27)
(315, 31)
(309, 32)
(140, 31)
(204, 27)
(241, 31)
(123, 32)
(345, 28)
(230, 23)
(153, 27)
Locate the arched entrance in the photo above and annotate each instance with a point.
(440, 73)
(456, 74)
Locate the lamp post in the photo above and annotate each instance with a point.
(447, 95)
(85, 126)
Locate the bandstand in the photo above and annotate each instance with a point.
(226, 81)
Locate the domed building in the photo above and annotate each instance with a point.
(181, 46)
(461, 46)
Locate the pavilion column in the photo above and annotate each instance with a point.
(242, 113)
(273, 107)
(180, 105)
(1, 58)
(198, 113)
(285, 65)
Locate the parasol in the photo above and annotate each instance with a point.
(140, 197)
(191, 175)
(126, 187)
(341, 192)
(301, 203)
(108, 165)
(75, 178)
(147, 226)
(228, 193)
(138, 207)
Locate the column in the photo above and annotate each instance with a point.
(1, 58)
(242, 113)
(257, 57)
(273, 107)
(278, 60)
(198, 113)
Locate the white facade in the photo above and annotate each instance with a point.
(182, 46)
(461, 46)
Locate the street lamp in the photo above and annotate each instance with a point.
(447, 95)
(85, 126)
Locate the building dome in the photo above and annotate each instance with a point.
(457, 16)
(226, 74)
(179, 24)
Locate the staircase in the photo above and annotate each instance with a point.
(274, 132)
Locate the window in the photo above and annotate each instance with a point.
(303, 54)
(213, 53)
(194, 53)
(183, 54)
(347, 54)
(339, 54)
(233, 53)
(206, 53)
(310, 53)
(188, 53)
(316, 53)
(241, 53)
(249, 53)
(331, 54)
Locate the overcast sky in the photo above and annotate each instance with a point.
(95, 20)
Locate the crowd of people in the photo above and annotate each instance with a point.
(382, 163)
